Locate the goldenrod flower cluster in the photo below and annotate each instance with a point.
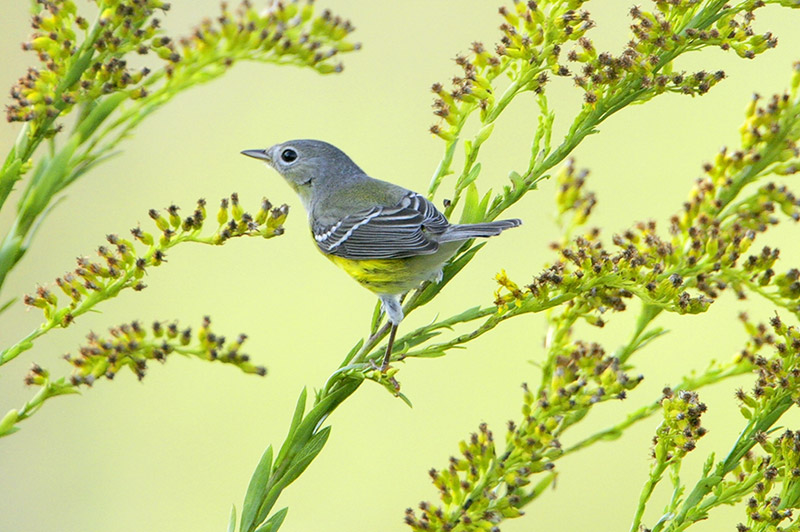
(132, 345)
(122, 266)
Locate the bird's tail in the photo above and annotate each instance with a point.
(481, 230)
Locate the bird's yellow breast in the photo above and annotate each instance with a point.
(382, 276)
(396, 276)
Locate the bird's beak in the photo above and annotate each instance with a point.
(258, 154)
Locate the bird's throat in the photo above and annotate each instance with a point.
(305, 193)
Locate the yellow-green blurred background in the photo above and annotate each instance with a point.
(173, 452)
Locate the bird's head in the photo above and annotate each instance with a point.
(307, 164)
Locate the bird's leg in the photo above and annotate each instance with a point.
(394, 311)
(389, 346)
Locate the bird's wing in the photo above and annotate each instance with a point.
(403, 230)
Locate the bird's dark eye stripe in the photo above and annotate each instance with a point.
(288, 155)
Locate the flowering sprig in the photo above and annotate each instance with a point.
(284, 34)
(549, 19)
(740, 474)
(533, 48)
(675, 438)
(533, 34)
(487, 485)
(683, 272)
(86, 68)
(122, 264)
(708, 249)
(131, 346)
(770, 484)
(80, 63)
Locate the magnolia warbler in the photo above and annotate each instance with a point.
(386, 237)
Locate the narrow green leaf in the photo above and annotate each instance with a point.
(471, 212)
(319, 412)
(86, 108)
(484, 204)
(517, 180)
(232, 519)
(429, 353)
(268, 503)
(466, 180)
(64, 391)
(38, 170)
(9, 432)
(422, 338)
(352, 352)
(98, 114)
(422, 334)
(298, 464)
(9, 353)
(300, 449)
(37, 224)
(7, 304)
(376, 318)
(257, 490)
(39, 192)
(8, 422)
(306, 455)
(85, 166)
(468, 315)
(296, 419)
(405, 399)
(541, 486)
(7, 179)
(274, 522)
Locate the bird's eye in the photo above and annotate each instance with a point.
(288, 155)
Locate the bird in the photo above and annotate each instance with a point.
(386, 237)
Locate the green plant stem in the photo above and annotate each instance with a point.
(8, 424)
(493, 320)
(588, 120)
(27, 140)
(647, 314)
(742, 278)
(687, 383)
(295, 453)
(51, 389)
(62, 386)
(93, 298)
(692, 509)
(48, 181)
(656, 473)
(651, 309)
(510, 93)
(444, 167)
(581, 128)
